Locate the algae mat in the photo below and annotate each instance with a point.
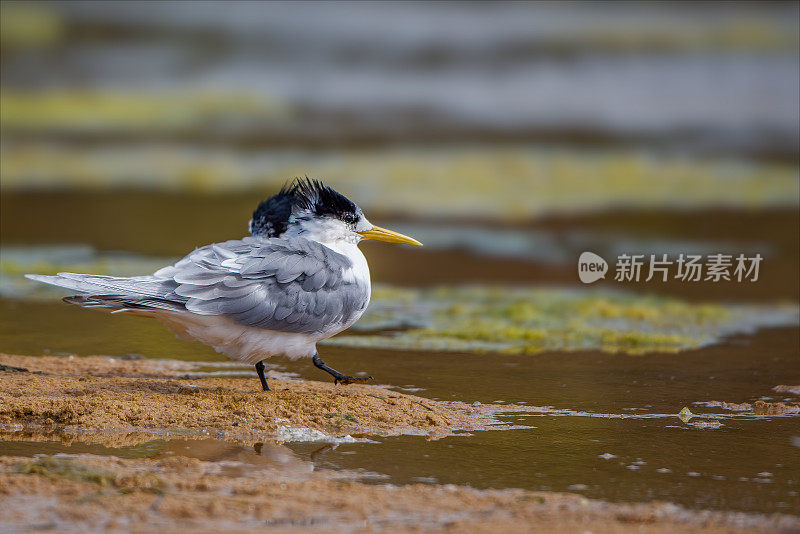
(529, 320)
(511, 183)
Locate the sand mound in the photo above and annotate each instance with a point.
(107, 397)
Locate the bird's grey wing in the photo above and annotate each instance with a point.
(293, 285)
(143, 289)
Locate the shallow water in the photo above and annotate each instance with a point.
(707, 467)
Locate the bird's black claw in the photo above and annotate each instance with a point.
(344, 380)
(338, 378)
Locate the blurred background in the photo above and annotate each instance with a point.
(509, 138)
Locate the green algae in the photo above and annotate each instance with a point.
(436, 182)
(12, 369)
(56, 467)
(29, 26)
(685, 414)
(52, 467)
(61, 110)
(734, 30)
(340, 419)
(532, 320)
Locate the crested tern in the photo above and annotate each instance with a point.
(297, 279)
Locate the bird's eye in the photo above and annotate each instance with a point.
(349, 218)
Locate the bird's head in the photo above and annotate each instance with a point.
(310, 209)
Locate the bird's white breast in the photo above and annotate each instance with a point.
(359, 273)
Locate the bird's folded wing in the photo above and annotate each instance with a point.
(288, 285)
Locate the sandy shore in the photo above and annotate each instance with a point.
(110, 398)
(224, 487)
(79, 493)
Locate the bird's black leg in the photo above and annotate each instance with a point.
(337, 376)
(260, 371)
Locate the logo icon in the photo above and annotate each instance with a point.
(591, 267)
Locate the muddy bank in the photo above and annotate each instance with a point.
(109, 398)
(77, 493)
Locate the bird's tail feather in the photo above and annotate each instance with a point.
(119, 303)
(112, 293)
(146, 286)
(69, 283)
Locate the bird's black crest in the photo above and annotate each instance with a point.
(272, 216)
(315, 196)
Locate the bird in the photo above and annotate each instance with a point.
(297, 279)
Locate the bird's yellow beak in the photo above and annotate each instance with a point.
(382, 234)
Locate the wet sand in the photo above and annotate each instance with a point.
(75, 493)
(112, 397)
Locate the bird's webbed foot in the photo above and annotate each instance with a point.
(338, 378)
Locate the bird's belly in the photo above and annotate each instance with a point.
(239, 342)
